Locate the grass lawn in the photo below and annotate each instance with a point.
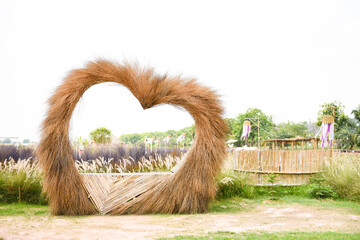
(230, 205)
(186, 225)
(271, 236)
(237, 204)
(23, 209)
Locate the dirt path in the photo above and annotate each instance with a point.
(262, 218)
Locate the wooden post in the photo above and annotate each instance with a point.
(19, 194)
(333, 141)
(259, 133)
(260, 163)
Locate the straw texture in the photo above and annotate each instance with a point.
(186, 191)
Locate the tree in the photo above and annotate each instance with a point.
(130, 138)
(292, 130)
(7, 140)
(349, 134)
(26, 141)
(356, 113)
(312, 128)
(101, 135)
(266, 125)
(136, 138)
(231, 123)
(81, 141)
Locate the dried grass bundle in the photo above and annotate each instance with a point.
(186, 191)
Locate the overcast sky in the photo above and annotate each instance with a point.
(284, 57)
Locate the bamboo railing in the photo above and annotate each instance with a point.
(294, 167)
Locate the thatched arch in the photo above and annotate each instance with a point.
(188, 190)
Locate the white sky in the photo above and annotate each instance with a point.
(284, 57)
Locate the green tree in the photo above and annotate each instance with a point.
(130, 138)
(231, 123)
(7, 140)
(266, 125)
(138, 138)
(356, 113)
(349, 134)
(292, 130)
(312, 128)
(81, 141)
(26, 141)
(101, 135)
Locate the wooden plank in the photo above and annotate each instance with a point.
(107, 191)
(119, 196)
(97, 188)
(294, 166)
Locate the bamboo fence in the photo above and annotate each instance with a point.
(109, 190)
(294, 167)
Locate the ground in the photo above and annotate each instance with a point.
(264, 216)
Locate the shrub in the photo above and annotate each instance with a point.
(343, 176)
(21, 181)
(16, 153)
(107, 151)
(320, 190)
(151, 164)
(119, 152)
(231, 184)
(26, 176)
(275, 191)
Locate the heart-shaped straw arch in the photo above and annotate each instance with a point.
(186, 191)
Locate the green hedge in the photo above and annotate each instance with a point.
(21, 182)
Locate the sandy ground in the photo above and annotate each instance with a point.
(262, 218)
